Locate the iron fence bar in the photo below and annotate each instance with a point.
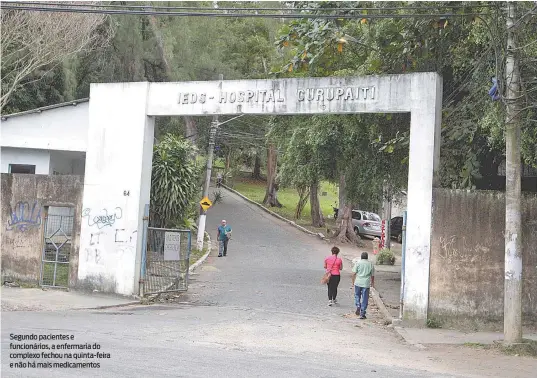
(41, 271)
(188, 259)
(144, 248)
(167, 229)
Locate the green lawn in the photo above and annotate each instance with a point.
(288, 197)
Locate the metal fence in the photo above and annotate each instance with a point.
(166, 259)
(56, 251)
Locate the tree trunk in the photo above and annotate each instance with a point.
(228, 160)
(345, 232)
(190, 124)
(303, 194)
(512, 327)
(256, 174)
(317, 219)
(271, 197)
(191, 129)
(342, 193)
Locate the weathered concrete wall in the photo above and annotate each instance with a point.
(24, 199)
(467, 258)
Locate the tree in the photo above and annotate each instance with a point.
(174, 181)
(35, 40)
(271, 196)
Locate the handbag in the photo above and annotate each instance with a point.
(327, 275)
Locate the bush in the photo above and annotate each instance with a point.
(433, 323)
(385, 257)
(217, 196)
(174, 188)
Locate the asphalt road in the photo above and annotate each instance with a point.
(259, 312)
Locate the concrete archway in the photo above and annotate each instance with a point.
(120, 143)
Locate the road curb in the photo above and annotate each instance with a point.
(202, 259)
(401, 332)
(305, 230)
(380, 304)
(108, 306)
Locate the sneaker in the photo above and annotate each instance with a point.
(363, 317)
(335, 301)
(357, 311)
(330, 303)
(219, 255)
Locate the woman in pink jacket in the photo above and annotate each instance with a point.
(334, 265)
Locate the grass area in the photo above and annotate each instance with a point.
(62, 274)
(528, 348)
(288, 197)
(196, 254)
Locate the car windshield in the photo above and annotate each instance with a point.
(373, 217)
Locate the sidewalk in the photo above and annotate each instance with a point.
(19, 299)
(387, 277)
(420, 337)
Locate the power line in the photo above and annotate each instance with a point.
(116, 6)
(230, 15)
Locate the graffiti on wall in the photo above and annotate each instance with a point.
(104, 219)
(97, 252)
(24, 217)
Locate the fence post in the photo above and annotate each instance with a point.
(401, 302)
(145, 221)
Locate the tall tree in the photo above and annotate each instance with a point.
(35, 42)
(271, 196)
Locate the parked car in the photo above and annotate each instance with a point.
(396, 228)
(366, 223)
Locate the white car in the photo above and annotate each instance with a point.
(366, 223)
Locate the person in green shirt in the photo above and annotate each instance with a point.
(224, 234)
(363, 278)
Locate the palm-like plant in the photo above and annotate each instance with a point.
(174, 182)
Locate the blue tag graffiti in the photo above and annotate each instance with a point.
(24, 217)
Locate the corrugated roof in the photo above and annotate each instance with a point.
(39, 110)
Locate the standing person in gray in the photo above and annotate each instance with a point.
(363, 278)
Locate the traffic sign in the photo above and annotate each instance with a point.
(205, 203)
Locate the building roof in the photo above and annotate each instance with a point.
(39, 110)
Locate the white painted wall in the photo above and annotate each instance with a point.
(39, 158)
(424, 156)
(390, 94)
(64, 128)
(116, 187)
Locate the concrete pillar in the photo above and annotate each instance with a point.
(116, 187)
(424, 155)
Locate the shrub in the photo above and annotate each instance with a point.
(385, 257)
(433, 323)
(217, 196)
(174, 188)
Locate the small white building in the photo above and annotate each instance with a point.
(49, 140)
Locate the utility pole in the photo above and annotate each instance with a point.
(512, 327)
(210, 154)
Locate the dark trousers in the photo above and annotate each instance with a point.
(222, 247)
(333, 283)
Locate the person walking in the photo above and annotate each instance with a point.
(224, 234)
(333, 265)
(363, 278)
